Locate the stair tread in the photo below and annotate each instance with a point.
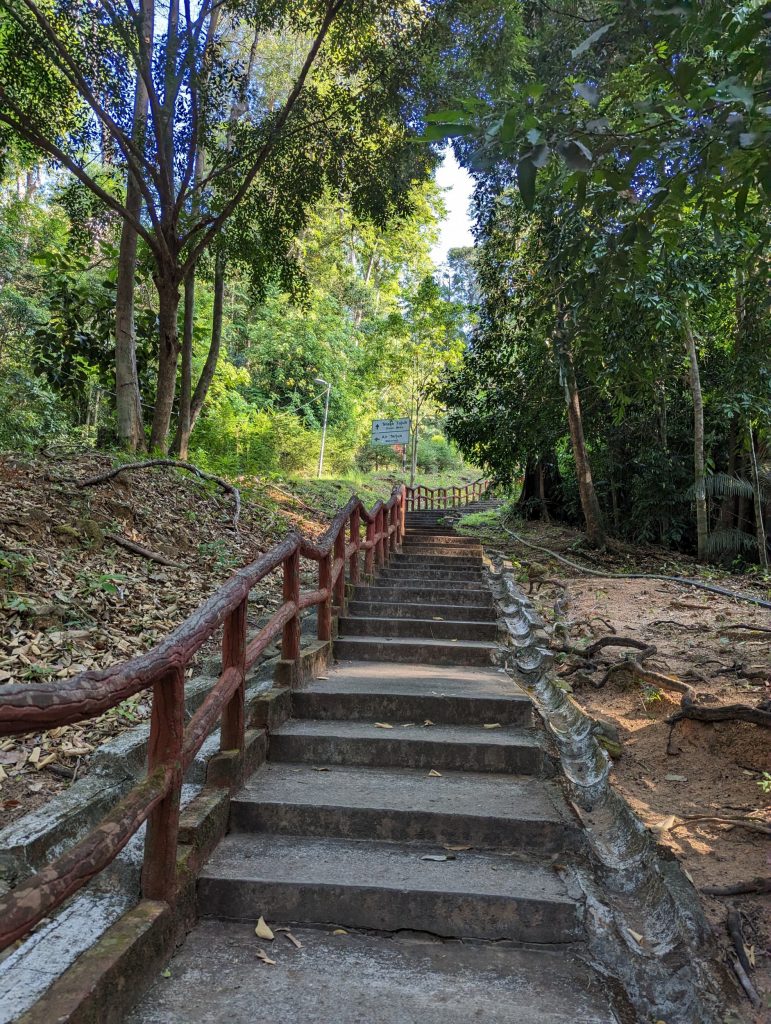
(355, 978)
(416, 679)
(351, 863)
(361, 729)
(396, 641)
(475, 794)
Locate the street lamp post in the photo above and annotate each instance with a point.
(320, 380)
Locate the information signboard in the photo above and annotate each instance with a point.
(391, 431)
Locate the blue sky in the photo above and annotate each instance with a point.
(456, 228)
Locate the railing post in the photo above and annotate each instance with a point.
(290, 642)
(167, 727)
(324, 625)
(402, 515)
(391, 520)
(369, 557)
(353, 567)
(234, 656)
(381, 541)
(339, 589)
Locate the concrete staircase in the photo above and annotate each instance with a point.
(407, 826)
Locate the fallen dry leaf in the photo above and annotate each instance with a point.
(428, 722)
(438, 856)
(491, 725)
(339, 931)
(456, 849)
(665, 824)
(262, 955)
(434, 774)
(383, 725)
(262, 931)
(290, 938)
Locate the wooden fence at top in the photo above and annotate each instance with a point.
(420, 497)
(26, 707)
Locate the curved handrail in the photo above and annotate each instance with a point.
(172, 745)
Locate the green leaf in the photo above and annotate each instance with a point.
(539, 155)
(590, 40)
(685, 72)
(526, 173)
(575, 154)
(438, 132)
(446, 116)
(588, 92)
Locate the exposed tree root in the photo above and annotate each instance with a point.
(752, 824)
(727, 713)
(751, 598)
(224, 485)
(754, 885)
(734, 926)
(138, 549)
(745, 625)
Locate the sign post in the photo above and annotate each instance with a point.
(391, 431)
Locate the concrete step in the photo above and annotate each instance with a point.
(469, 555)
(399, 610)
(414, 648)
(387, 887)
(404, 571)
(452, 695)
(452, 747)
(427, 595)
(412, 540)
(485, 811)
(435, 629)
(370, 979)
(435, 559)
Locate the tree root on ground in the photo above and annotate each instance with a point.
(752, 824)
(138, 549)
(741, 965)
(754, 885)
(224, 485)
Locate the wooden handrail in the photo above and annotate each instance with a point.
(26, 707)
(421, 497)
(172, 748)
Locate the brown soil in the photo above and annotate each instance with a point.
(714, 769)
(72, 600)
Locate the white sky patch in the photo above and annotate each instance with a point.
(456, 227)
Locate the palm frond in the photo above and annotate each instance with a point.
(723, 485)
(730, 542)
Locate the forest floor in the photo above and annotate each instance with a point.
(71, 599)
(700, 793)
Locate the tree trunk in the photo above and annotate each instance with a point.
(590, 506)
(182, 436)
(760, 531)
(128, 404)
(168, 357)
(702, 525)
(541, 495)
(414, 453)
(210, 366)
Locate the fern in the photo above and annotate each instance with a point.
(723, 485)
(730, 542)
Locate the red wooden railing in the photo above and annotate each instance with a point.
(421, 497)
(172, 744)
